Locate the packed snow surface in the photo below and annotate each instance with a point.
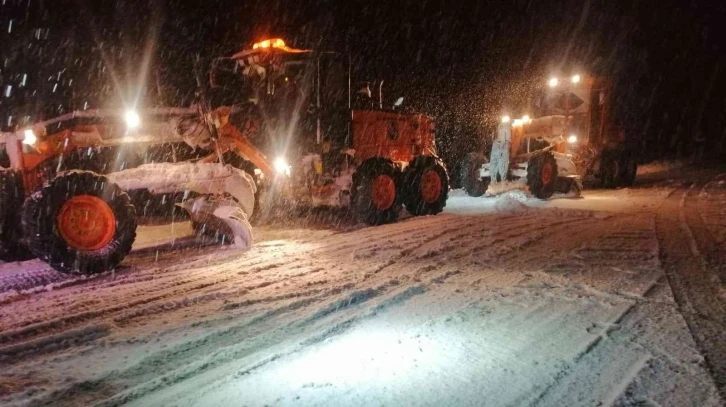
(498, 301)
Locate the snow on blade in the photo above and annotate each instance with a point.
(227, 216)
(203, 178)
(223, 216)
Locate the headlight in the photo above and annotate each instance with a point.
(553, 82)
(29, 137)
(281, 166)
(575, 78)
(132, 119)
(572, 139)
(506, 119)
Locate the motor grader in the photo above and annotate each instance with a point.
(339, 146)
(73, 188)
(566, 137)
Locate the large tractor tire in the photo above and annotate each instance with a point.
(376, 196)
(472, 183)
(542, 175)
(569, 185)
(425, 186)
(11, 198)
(80, 223)
(618, 168)
(609, 170)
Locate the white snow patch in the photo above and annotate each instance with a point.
(660, 166)
(204, 178)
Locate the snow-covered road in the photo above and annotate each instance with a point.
(613, 299)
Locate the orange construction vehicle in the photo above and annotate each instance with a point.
(82, 180)
(73, 188)
(339, 148)
(566, 135)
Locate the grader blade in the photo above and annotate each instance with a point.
(220, 218)
(228, 199)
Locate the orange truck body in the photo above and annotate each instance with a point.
(397, 136)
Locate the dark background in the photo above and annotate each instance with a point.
(462, 62)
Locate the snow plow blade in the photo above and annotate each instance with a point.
(220, 217)
(226, 204)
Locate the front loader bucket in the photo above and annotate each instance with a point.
(220, 217)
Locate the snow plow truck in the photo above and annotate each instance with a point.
(569, 138)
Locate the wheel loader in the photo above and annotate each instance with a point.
(567, 136)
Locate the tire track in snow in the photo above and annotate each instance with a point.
(320, 333)
(143, 281)
(456, 232)
(40, 274)
(36, 280)
(145, 294)
(627, 245)
(457, 227)
(705, 242)
(623, 260)
(145, 299)
(225, 346)
(692, 282)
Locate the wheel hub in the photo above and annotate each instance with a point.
(430, 186)
(86, 222)
(383, 192)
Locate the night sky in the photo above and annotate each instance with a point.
(462, 62)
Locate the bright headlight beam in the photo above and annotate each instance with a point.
(575, 78)
(29, 137)
(281, 166)
(506, 119)
(132, 119)
(572, 139)
(553, 82)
